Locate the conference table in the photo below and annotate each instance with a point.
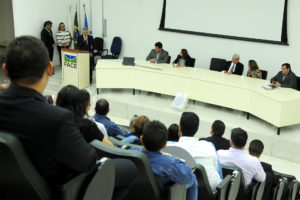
(279, 107)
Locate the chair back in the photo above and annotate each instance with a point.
(298, 83)
(98, 44)
(116, 45)
(169, 60)
(217, 64)
(121, 144)
(18, 177)
(264, 74)
(204, 189)
(144, 186)
(182, 154)
(223, 188)
(279, 189)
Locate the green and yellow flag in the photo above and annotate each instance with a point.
(76, 31)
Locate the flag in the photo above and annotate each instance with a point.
(85, 21)
(76, 31)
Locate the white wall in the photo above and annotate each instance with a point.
(137, 22)
(30, 15)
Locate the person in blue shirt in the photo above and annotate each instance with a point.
(102, 109)
(136, 130)
(166, 168)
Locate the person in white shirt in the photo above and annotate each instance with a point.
(236, 156)
(203, 152)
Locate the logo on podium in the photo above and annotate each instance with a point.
(70, 61)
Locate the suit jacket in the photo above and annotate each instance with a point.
(48, 134)
(239, 68)
(271, 181)
(163, 56)
(188, 61)
(89, 46)
(47, 38)
(290, 80)
(219, 142)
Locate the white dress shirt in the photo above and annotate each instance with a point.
(250, 165)
(204, 153)
(232, 66)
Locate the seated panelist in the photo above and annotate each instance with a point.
(158, 55)
(183, 59)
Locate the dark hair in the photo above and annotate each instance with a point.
(86, 98)
(287, 65)
(184, 53)
(102, 107)
(239, 137)
(173, 133)
(256, 147)
(70, 97)
(47, 23)
(218, 128)
(155, 136)
(59, 25)
(49, 99)
(189, 124)
(26, 59)
(253, 65)
(159, 45)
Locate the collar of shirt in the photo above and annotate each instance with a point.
(97, 117)
(24, 92)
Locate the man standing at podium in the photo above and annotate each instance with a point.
(86, 43)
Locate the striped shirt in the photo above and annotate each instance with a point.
(63, 37)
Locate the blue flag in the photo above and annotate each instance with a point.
(85, 21)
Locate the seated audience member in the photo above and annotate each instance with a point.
(166, 168)
(203, 152)
(253, 70)
(158, 55)
(285, 78)
(236, 156)
(3, 86)
(102, 109)
(136, 129)
(71, 98)
(183, 59)
(51, 99)
(217, 132)
(132, 120)
(48, 133)
(173, 134)
(87, 104)
(234, 66)
(256, 148)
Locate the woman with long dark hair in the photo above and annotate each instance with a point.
(183, 59)
(253, 71)
(63, 38)
(71, 98)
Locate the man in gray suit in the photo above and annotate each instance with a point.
(158, 55)
(285, 78)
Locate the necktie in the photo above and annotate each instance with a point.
(231, 70)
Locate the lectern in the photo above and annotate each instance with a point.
(75, 67)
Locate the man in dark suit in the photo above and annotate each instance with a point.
(86, 43)
(48, 133)
(158, 55)
(285, 78)
(47, 38)
(234, 66)
(217, 132)
(256, 148)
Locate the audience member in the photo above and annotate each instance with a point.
(136, 129)
(234, 66)
(253, 70)
(167, 168)
(236, 156)
(285, 78)
(158, 55)
(203, 152)
(47, 38)
(48, 133)
(87, 104)
(256, 148)
(3, 86)
(86, 43)
(173, 134)
(132, 120)
(70, 97)
(217, 131)
(102, 109)
(183, 59)
(63, 38)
